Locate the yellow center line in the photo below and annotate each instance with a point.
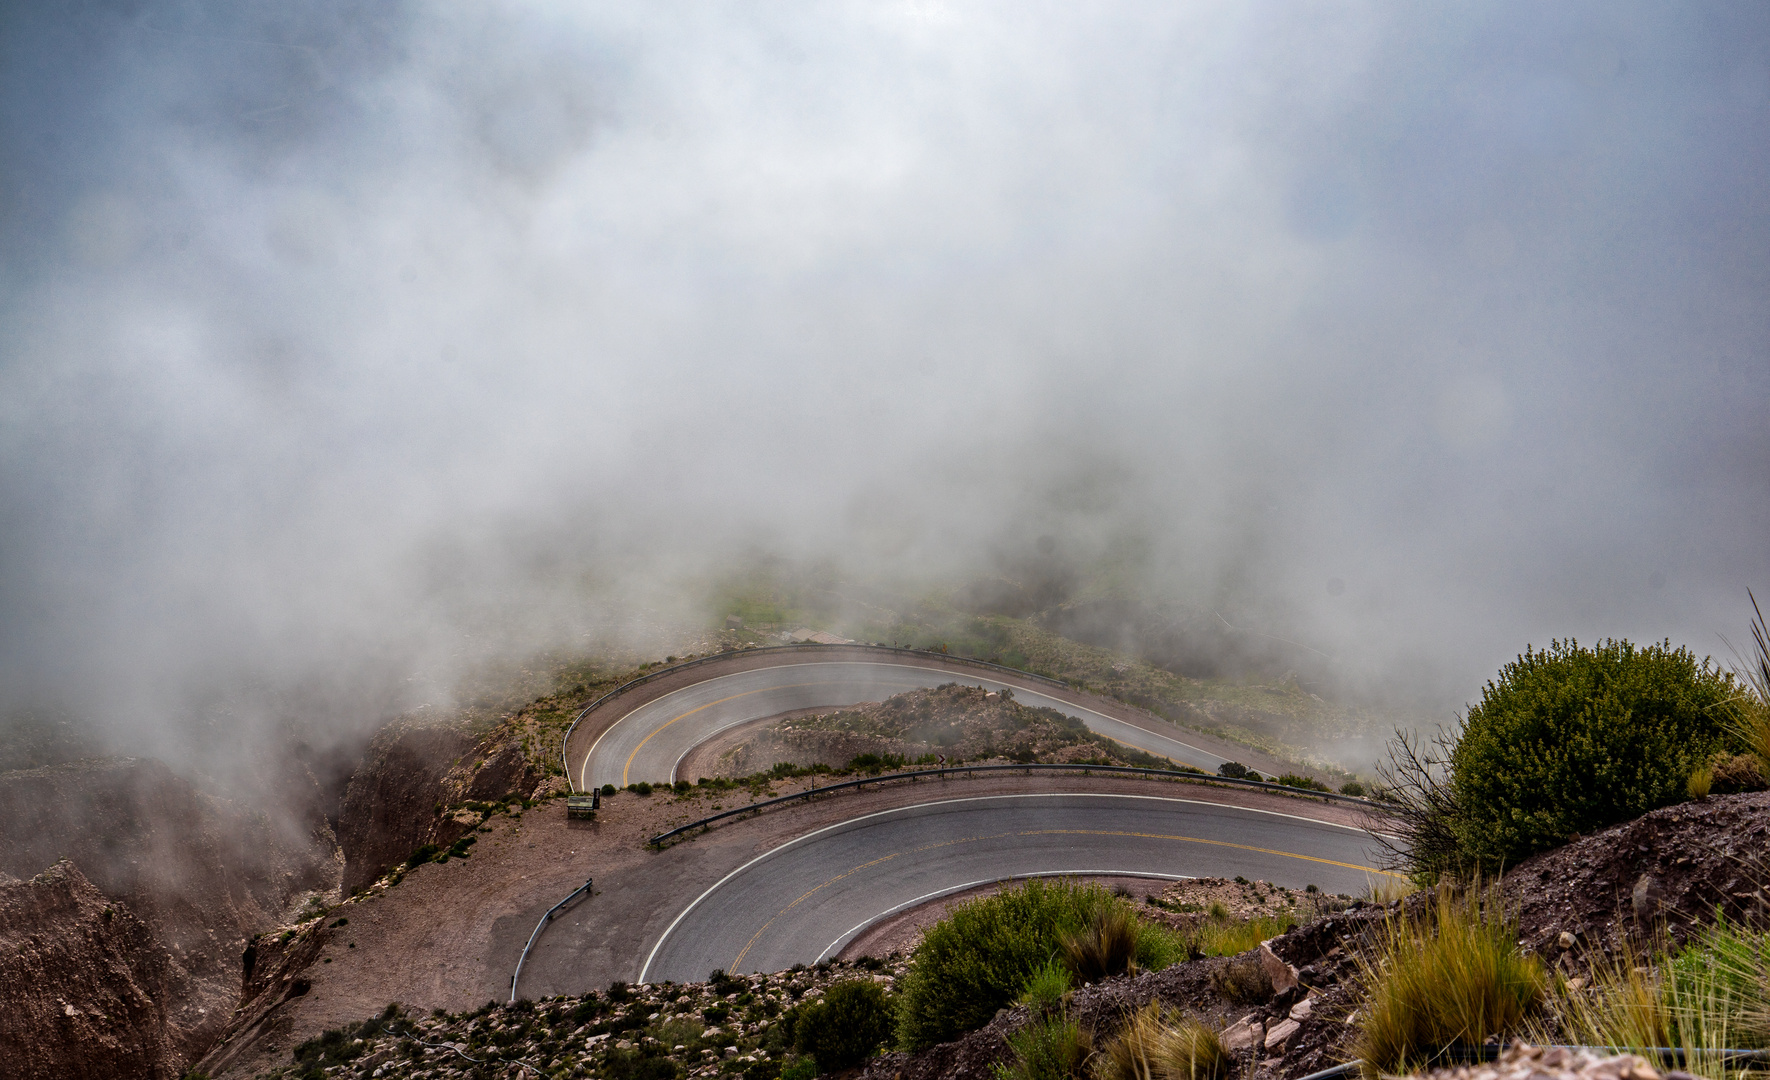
(745, 951)
(1214, 843)
(626, 768)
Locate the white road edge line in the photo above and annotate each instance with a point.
(683, 914)
(938, 893)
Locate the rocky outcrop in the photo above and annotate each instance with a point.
(86, 988)
(273, 970)
(199, 874)
(203, 871)
(390, 805)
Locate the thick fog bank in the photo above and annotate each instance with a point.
(348, 345)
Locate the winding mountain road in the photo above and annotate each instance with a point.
(797, 883)
(803, 900)
(649, 739)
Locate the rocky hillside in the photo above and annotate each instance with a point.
(131, 894)
(88, 989)
(955, 722)
(192, 875)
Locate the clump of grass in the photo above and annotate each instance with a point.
(1749, 711)
(1445, 973)
(1103, 946)
(1242, 981)
(1050, 1048)
(1714, 995)
(1157, 1044)
(1044, 991)
(1227, 937)
(1385, 889)
(1702, 778)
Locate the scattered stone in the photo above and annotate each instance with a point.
(1646, 897)
(1524, 1062)
(1242, 1034)
(1280, 1034)
(1282, 975)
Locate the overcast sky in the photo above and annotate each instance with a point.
(333, 332)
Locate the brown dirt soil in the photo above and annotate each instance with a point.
(1672, 867)
(957, 722)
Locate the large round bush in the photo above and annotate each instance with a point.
(842, 1030)
(1571, 739)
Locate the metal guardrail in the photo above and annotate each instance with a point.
(764, 649)
(583, 889)
(1029, 769)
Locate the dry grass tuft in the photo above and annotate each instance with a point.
(1445, 973)
(1715, 995)
(1701, 780)
(1157, 1044)
(1242, 981)
(1105, 945)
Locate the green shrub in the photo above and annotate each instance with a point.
(1353, 788)
(608, 789)
(423, 854)
(1305, 782)
(803, 1069)
(853, 1019)
(1570, 740)
(982, 957)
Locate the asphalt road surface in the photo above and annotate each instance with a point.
(649, 742)
(806, 898)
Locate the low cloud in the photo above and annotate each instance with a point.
(346, 349)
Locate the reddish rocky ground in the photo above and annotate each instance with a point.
(957, 722)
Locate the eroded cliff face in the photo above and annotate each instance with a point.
(196, 876)
(86, 987)
(390, 806)
(124, 958)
